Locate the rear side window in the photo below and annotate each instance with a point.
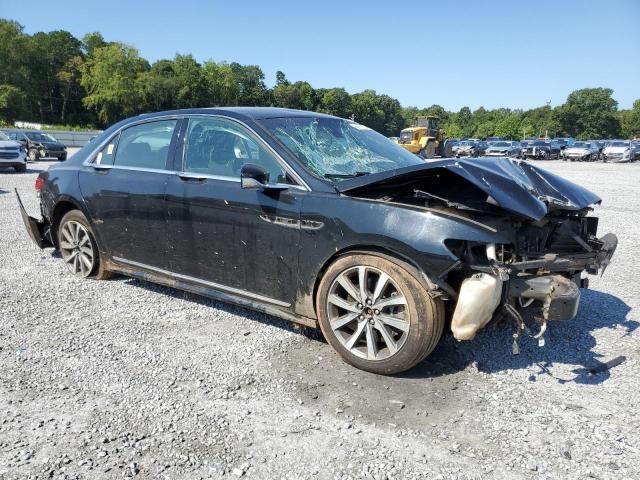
(145, 145)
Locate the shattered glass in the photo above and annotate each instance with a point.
(336, 149)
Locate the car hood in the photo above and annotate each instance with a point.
(9, 144)
(51, 145)
(576, 150)
(497, 149)
(514, 185)
(615, 149)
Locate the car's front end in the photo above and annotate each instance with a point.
(465, 149)
(52, 150)
(617, 153)
(536, 151)
(12, 154)
(501, 149)
(578, 153)
(544, 241)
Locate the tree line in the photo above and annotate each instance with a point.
(56, 78)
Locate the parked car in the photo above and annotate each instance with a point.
(504, 149)
(556, 148)
(618, 151)
(12, 154)
(40, 145)
(582, 152)
(536, 150)
(469, 148)
(324, 222)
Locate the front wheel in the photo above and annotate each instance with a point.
(376, 315)
(429, 150)
(34, 155)
(79, 248)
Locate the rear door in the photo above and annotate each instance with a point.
(124, 190)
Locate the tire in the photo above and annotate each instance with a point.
(80, 242)
(34, 155)
(403, 334)
(429, 150)
(20, 168)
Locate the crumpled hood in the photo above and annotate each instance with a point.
(515, 185)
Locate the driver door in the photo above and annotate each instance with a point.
(232, 239)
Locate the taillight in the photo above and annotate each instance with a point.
(39, 183)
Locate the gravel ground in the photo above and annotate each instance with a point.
(124, 378)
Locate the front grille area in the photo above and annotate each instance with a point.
(9, 155)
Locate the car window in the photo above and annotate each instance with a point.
(105, 156)
(145, 145)
(215, 146)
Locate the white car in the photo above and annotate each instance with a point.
(617, 151)
(12, 154)
(581, 152)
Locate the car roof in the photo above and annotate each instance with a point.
(254, 113)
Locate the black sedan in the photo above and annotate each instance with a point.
(39, 145)
(324, 222)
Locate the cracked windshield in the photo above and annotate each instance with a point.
(336, 149)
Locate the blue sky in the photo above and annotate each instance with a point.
(518, 54)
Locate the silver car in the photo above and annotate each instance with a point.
(504, 148)
(582, 152)
(12, 154)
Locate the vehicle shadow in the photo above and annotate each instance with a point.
(569, 343)
(225, 307)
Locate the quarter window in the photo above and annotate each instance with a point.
(144, 146)
(220, 147)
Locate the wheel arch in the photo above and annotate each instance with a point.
(388, 253)
(60, 209)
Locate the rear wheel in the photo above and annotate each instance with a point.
(376, 315)
(79, 248)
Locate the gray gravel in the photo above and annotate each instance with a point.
(123, 378)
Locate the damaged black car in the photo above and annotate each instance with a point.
(324, 222)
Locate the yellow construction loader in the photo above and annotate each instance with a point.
(424, 138)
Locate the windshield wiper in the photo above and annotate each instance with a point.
(345, 175)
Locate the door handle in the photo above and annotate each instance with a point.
(191, 177)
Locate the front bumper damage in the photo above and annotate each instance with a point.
(511, 287)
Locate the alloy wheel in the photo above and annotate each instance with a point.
(368, 313)
(76, 248)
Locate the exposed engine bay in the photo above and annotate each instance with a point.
(549, 242)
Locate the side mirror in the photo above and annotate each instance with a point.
(253, 176)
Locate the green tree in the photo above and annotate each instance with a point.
(110, 80)
(336, 101)
(192, 89)
(251, 87)
(222, 88)
(509, 127)
(68, 77)
(12, 103)
(630, 121)
(368, 111)
(590, 113)
(281, 79)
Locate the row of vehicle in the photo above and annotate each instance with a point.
(538, 149)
